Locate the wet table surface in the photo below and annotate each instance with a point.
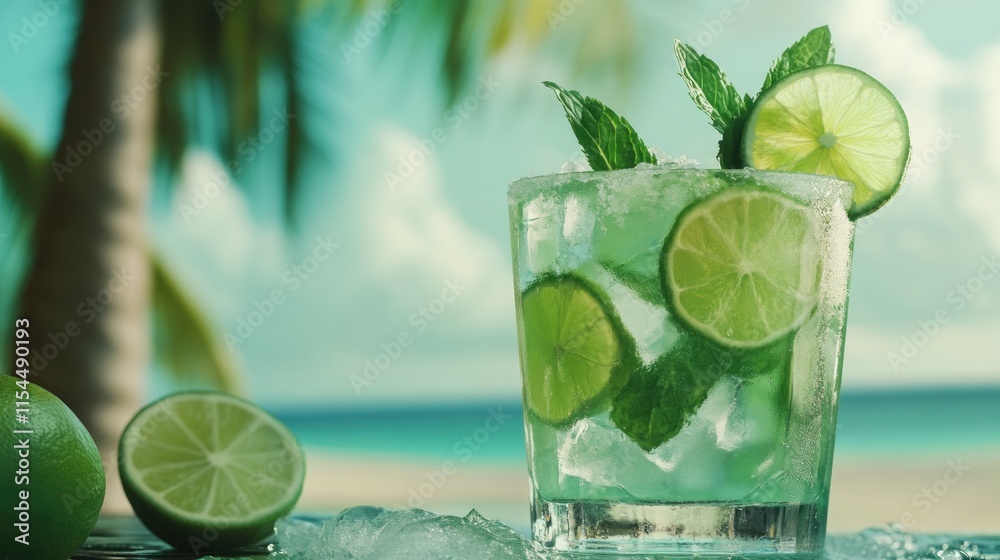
(124, 538)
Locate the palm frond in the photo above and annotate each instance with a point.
(21, 189)
(230, 49)
(22, 168)
(183, 340)
(477, 30)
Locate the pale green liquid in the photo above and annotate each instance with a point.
(749, 472)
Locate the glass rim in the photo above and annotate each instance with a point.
(524, 187)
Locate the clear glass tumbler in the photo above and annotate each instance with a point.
(681, 334)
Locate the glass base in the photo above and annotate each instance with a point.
(701, 530)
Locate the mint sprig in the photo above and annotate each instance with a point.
(607, 139)
(709, 87)
(815, 49)
(713, 93)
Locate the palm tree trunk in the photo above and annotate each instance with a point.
(88, 292)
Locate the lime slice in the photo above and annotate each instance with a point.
(209, 471)
(574, 348)
(742, 267)
(832, 120)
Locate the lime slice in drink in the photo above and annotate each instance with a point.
(575, 349)
(742, 267)
(832, 120)
(209, 471)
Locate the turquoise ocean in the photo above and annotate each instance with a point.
(871, 424)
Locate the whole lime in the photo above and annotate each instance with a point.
(51, 476)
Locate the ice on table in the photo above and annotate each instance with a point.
(893, 543)
(371, 533)
(418, 535)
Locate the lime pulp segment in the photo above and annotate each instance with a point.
(742, 267)
(572, 344)
(832, 120)
(210, 460)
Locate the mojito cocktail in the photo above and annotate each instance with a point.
(681, 330)
(681, 333)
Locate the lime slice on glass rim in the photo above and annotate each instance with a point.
(832, 120)
(742, 267)
(575, 350)
(209, 471)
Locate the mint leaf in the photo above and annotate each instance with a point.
(714, 94)
(815, 49)
(659, 398)
(709, 88)
(608, 140)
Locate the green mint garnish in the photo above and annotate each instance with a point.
(712, 92)
(815, 49)
(660, 398)
(709, 88)
(608, 140)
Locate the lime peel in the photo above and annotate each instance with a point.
(832, 120)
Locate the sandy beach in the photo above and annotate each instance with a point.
(955, 494)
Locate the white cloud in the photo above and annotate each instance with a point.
(212, 240)
(959, 353)
(900, 55)
(415, 238)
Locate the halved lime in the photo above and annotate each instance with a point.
(742, 267)
(575, 350)
(209, 471)
(832, 120)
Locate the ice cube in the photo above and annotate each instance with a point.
(696, 463)
(356, 528)
(370, 533)
(454, 538)
(578, 164)
(646, 322)
(543, 221)
(598, 461)
(753, 431)
(892, 543)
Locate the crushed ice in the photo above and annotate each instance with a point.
(579, 162)
(370, 533)
(893, 543)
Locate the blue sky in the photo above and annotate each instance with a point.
(418, 275)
